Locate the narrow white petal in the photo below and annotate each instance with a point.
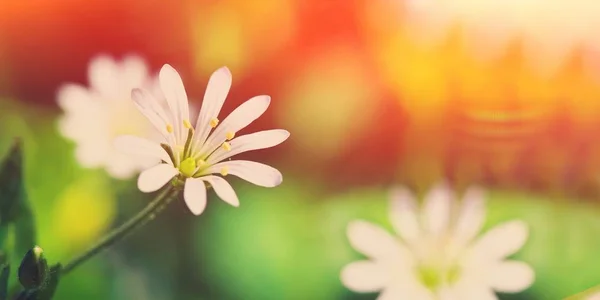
(373, 241)
(134, 145)
(223, 189)
(511, 276)
(253, 172)
(437, 209)
(250, 142)
(173, 89)
(194, 195)
(149, 106)
(404, 214)
(156, 177)
(471, 216)
(237, 120)
(103, 76)
(501, 241)
(214, 97)
(364, 276)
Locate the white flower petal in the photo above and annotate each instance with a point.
(249, 142)
(407, 289)
(85, 126)
(511, 276)
(253, 172)
(214, 97)
(149, 106)
(122, 166)
(104, 76)
(404, 214)
(364, 276)
(173, 89)
(134, 71)
(472, 288)
(595, 296)
(237, 120)
(92, 154)
(73, 98)
(156, 177)
(223, 189)
(471, 216)
(437, 208)
(500, 241)
(194, 195)
(374, 242)
(134, 145)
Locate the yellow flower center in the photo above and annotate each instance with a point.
(434, 277)
(188, 167)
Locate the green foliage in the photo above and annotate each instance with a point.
(559, 241)
(12, 190)
(4, 276)
(38, 280)
(279, 244)
(49, 169)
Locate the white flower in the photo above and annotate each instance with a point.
(595, 296)
(94, 116)
(192, 154)
(437, 255)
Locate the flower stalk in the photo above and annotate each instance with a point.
(139, 220)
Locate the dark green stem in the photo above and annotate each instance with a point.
(138, 221)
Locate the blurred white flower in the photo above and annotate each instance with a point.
(95, 115)
(595, 296)
(437, 254)
(549, 29)
(193, 154)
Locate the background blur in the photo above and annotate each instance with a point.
(374, 93)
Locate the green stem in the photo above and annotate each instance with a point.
(138, 221)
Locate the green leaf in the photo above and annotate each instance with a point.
(4, 276)
(14, 206)
(12, 191)
(25, 231)
(4, 229)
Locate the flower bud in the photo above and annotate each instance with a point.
(33, 269)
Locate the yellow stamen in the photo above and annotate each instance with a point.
(169, 128)
(187, 124)
(201, 163)
(224, 171)
(214, 122)
(230, 135)
(226, 146)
